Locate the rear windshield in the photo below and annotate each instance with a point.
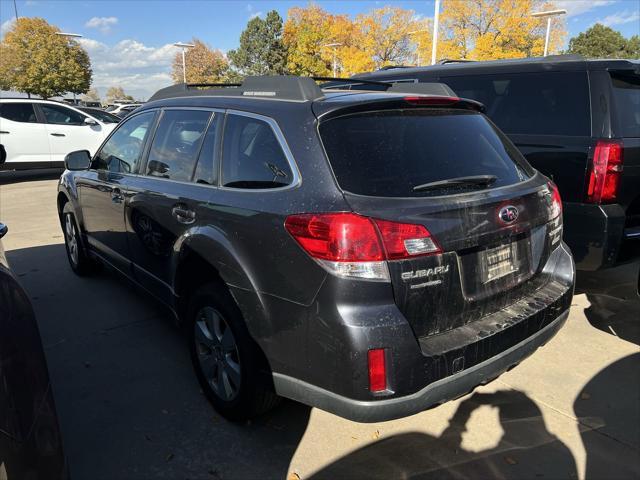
(626, 97)
(388, 153)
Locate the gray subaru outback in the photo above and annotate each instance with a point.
(370, 253)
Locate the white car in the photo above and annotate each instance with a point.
(40, 133)
(122, 110)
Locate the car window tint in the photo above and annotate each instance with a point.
(252, 155)
(18, 112)
(59, 115)
(123, 150)
(626, 96)
(206, 172)
(388, 153)
(176, 144)
(551, 103)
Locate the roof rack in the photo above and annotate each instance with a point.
(391, 67)
(446, 61)
(351, 81)
(281, 87)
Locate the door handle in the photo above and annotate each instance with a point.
(183, 215)
(116, 196)
(58, 135)
(4, 131)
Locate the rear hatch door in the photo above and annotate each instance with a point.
(494, 222)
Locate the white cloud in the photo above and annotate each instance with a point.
(254, 15)
(103, 24)
(138, 68)
(6, 26)
(578, 7)
(620, 18)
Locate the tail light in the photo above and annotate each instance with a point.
(555, 227)
(604, 174)
(556, 201)
(377, 370)
(351, 245)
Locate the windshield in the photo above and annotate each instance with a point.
(390, 153)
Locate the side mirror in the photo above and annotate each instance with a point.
(78, 160)
(3, 230)
(90, 121)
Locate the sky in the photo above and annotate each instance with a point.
(130, 41)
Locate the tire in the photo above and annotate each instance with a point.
(80, 262)
(229, 365)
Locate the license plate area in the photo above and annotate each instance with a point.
(498, 262)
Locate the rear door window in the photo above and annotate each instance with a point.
(252, 156)
(626, 97)
(550, 103)
(176, 144)
(388, 153)
(18, 112)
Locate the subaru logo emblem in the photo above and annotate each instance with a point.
(508, 214)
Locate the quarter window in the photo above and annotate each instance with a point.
(18, 112)
(123, 150)
(59, 115)
(252, 155)
(176, 144)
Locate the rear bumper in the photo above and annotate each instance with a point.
(597, 236)
(422, 372)
(432, 395)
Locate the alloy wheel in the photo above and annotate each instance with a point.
(217, 353)
(71, 237)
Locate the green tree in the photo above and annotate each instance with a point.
(262, 51)
(117, 93)
(604, 42)
(204, 65)
(34, 60)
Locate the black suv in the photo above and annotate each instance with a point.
(371, 254)
(575, 120)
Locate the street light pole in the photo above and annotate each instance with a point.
(436, 18)
(70, 36)
(548, 14)
(184, 47)
(335, 60)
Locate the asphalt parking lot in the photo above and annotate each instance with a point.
(130, 406)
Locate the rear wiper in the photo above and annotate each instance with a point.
(479, 180)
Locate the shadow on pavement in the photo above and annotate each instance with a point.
(17, 176)
(615, 304)
(610, 405)
(526, 450)
(130, 407)
(129, 404)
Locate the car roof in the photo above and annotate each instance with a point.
(551, 62)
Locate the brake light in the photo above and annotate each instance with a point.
(351, 245)
(377, 370)
(435, 101)
(556, 201)
(604, 175)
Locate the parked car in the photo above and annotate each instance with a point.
(30, 440)
(122, 110)
(371, 254)
(39, 133)
(90, 104)
(101, 115)
(575, 120)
